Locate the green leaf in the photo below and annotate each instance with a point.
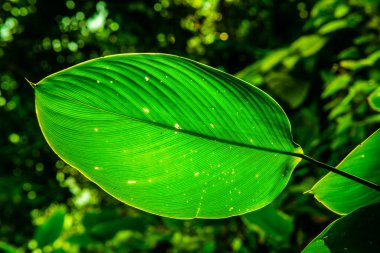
(349, 53)
(272, 59)
(251, 74)
(49, 231)
(357, 232)
(84, 240)
(341, 10)
(107, 230)
(364, 39)
(289, 89)
(342, 195)
(92, 218)
(362, 63)
(351, 21)
(270, 222)
(374, 99)
(338, 83)
(106, 223)
(308, 45)
(290, 61)
(333, 26)
(168, 135)
(7, 248)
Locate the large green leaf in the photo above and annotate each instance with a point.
(357, 232)
(343, 195)
(168, 135)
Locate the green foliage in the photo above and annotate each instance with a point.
(39, 37)
(342, 195)
(339, 49)
(125, 143)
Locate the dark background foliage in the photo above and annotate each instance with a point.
(319, 59)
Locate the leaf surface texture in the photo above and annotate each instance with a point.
(168, 135)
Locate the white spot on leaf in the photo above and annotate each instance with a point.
(132, 181)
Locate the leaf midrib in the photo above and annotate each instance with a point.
(191, 133)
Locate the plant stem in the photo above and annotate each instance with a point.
(342, 173)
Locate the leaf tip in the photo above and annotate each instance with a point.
(31, 83)
(308, 192)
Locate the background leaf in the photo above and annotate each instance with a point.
(270, 222)
(105, 224)
(168, 135)
(342, 195)
(337, 83)
(309, 44)
(7, 248)
(374, 100)
(289, 89)
(51, 229)
(357, 232)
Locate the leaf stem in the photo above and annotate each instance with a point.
(340, 172)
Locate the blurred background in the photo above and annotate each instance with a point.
(319, 59)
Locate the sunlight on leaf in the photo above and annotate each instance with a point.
(342, 195)
(169, 135)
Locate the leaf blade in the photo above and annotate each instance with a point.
(342, 195)
(191, 128)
